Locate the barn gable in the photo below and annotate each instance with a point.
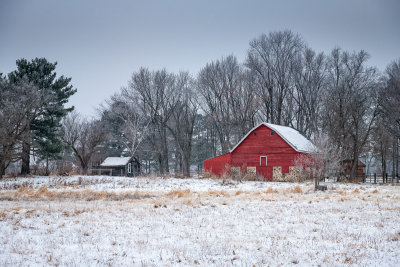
(293, 137)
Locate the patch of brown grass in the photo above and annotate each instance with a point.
(158, 204)
(25, 193)
(207, 175)
(267, 199)
(395, 237)
(270, 190)
(77, 212)
(375, 191)
(296, 189)
(218, 193)
(180, 193)
(342, 192)
(238, 192)
(3, 214)
(356, 191)
(43, 191)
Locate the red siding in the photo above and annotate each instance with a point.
(218, 165)
(278, 152)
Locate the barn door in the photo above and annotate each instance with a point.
(263, 161)
(263, 169)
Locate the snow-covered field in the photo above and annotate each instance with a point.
(97, 221)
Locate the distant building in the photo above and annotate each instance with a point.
(268, 150)
(347, 166)
(119, 166)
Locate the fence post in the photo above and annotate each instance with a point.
(374, 178)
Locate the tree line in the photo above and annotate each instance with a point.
(172, 121)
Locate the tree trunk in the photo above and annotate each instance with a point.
(397, 158)
(25, 157)
(47, 165)
(160, 164)
(2, 169)
(84, 168)
(316, 183)
(186, 162)
(164, 152)
(353, 174)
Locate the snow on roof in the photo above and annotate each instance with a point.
(115, 161)
(293, 137)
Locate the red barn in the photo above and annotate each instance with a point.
(268, 150)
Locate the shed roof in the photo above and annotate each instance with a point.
(115, 161)
(293, 137)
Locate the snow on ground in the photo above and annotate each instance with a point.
(100, 220)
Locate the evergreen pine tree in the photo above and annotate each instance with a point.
(45, 129)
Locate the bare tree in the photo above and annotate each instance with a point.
(134, 125)
(20, 103)
(84, 137)
(310, 79)
(156, 96)
(389, 108)
(350, 103)
(382, 141)
(272, 58)
(228, 98)
(324, 161)
(183, 118)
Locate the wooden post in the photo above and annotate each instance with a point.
(374, 178)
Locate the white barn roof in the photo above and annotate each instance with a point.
(293, 137)
(115, 161)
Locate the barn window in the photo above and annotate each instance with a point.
(272, 132)
(255, 133)
(129, 167)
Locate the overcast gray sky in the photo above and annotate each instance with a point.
(100, 43)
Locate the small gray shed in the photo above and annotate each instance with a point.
(120, 166)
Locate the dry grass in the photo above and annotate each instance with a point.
(25, 193)
(270, 190)
(239, 192)
(199, 213)
(219, 193)
(375, 191)
(296, 189)
(180, 193)
(3, 214)
(207, 175)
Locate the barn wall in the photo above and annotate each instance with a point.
(278, 152)
(218, 165)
